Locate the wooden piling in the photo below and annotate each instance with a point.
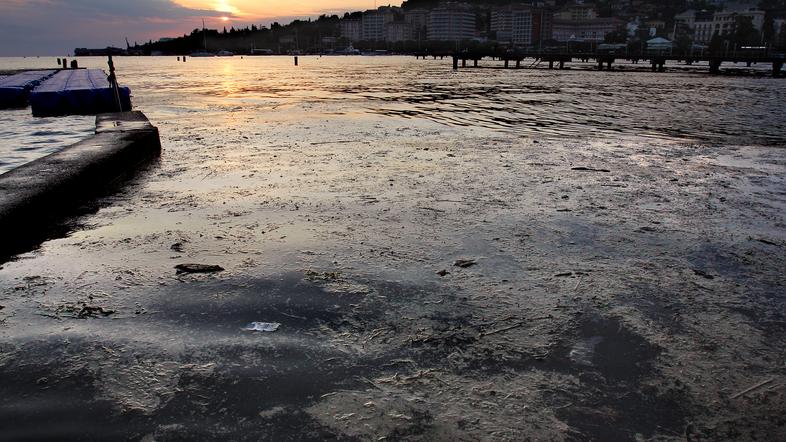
(518, 64)
(74, 64)
(463, 62)
(506, 63)
(562, 64)
(455, 63)
(777, 66)
(296, 63)
(65, 63)
(475, 62)
(551, 64)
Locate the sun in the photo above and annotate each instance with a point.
(225, 18)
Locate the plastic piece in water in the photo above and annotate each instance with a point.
(262, 326)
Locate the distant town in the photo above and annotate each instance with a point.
(679, 27)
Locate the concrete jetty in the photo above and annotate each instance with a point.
(37, 192)
(15, 89)
(77, 92)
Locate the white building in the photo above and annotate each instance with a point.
(521, 26)
(706, 25)
(592, 30)
(374, 23)
(703, 28)
(451, 21)
(418, 23)
(502, 23)
(351, 29)
(576, 12)
(398, 32)
(687, 18)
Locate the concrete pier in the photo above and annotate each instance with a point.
(35, 194)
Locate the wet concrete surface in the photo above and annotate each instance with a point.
(634, 304)
(35, 195)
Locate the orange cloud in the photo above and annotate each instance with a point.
(254, 9)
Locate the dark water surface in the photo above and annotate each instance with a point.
(626, 231)
(682, 104)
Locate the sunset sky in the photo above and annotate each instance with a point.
(56, 27)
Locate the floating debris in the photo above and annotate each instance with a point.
(464, 263)
(312, 275)
(443, 273)
(82, 311)
(198, 268)
(94, 311)
(262, 326)
(583, 351)
(703, 274)
(589, 169)
(766, 241)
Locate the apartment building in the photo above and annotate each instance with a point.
(451, 21)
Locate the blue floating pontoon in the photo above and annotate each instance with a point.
(77, 92)
(15, 89)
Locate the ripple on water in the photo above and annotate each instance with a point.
(677, 105)
(25, 138)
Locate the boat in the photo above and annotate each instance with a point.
(262, 52)
(375, 53)
(203, 52)
(349, 50)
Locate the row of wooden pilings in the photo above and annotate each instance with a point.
(64, 63)
(658, 63)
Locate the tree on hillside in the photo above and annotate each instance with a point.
(745, 34)
(781, 44)
(618, 36)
